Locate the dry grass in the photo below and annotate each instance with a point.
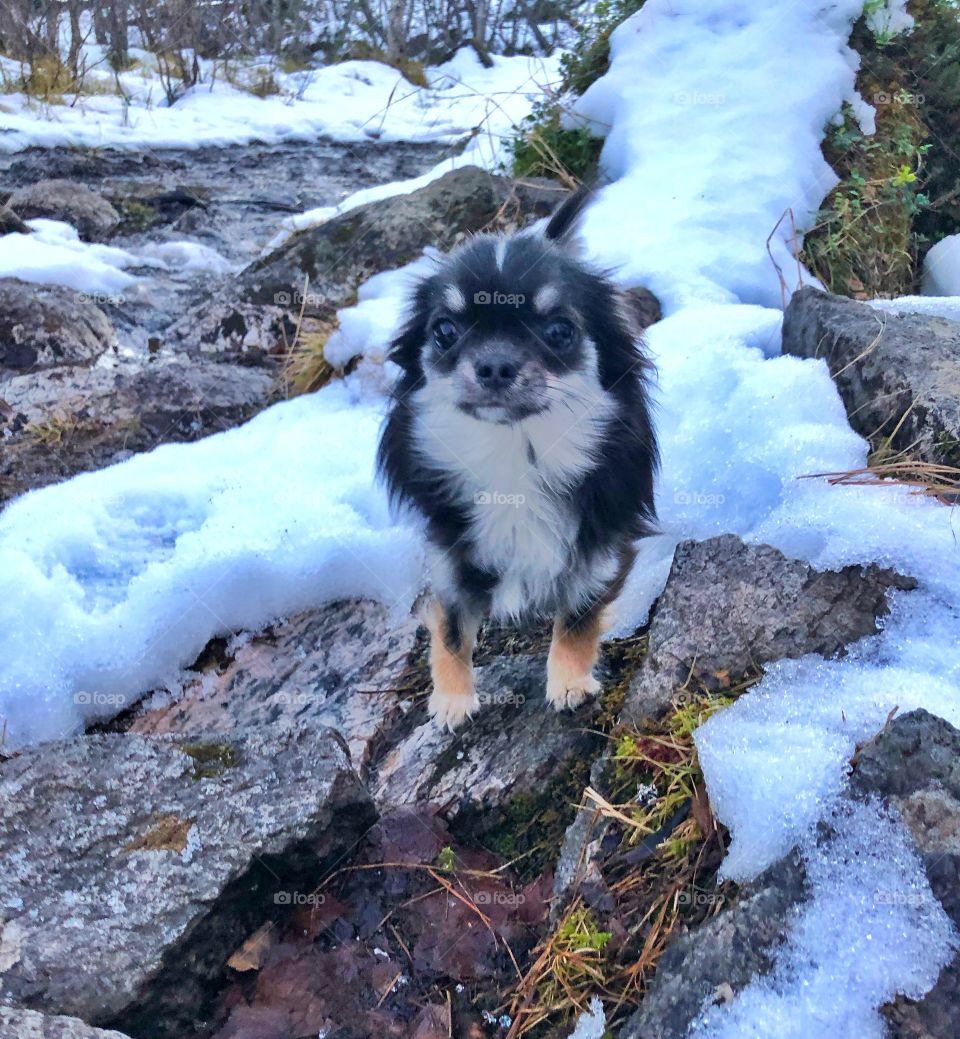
(927, 479)
(305, 368)
(669, 848)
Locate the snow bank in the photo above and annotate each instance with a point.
(352, 101)
(941, 268)
(112, 582)
(713, 114)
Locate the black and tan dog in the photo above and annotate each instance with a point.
(520, 429)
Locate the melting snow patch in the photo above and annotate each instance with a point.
(54, 254)
(872, 929)
(713, 114)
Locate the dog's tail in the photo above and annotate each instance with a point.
(566, 218)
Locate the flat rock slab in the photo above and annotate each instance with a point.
(729, 607)
(898, 374)
(915, 764)
(514, 745)
(131, 867)
(68, 420)
(28, 1024)
(336, 667)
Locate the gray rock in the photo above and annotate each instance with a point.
(335, 667)
(728, 608)
(915, 764)
(132, 867)
(28, 1024)
(898, 374)
(338, 255)
(715, 960)
(42, 326)
(10, 223)
(92, 216)
(514, 745)
(579, 852)
(64, 421)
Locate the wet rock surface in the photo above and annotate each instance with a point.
(43, 326)
(898, 374)
(61, 199)
(729, 607)
(133, 866)
(915, 764)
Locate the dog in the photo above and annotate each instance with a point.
(520, 430)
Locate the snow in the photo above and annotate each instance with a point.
(54, 254)
(941, 268)
(114, 581)
(933, 306)
(752, 85)
(713, 113)
(350, 102)
(872, 929)
(592, 1023)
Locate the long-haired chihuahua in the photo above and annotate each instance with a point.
(520, 430)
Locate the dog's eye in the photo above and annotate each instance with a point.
(560, 334)
(445, 333)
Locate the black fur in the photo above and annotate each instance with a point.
(614, 500)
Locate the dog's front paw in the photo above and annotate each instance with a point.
(450, 710)
(565, 691)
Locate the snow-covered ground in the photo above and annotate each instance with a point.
(352, 101)
(714, 112)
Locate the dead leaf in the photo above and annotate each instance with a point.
(251, 954)
(433, 1022)
(702, 812)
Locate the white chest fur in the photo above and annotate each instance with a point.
(515, 480)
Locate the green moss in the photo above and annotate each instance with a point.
(211, 759)
(531, 827)
(138, 216)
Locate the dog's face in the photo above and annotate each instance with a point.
(506, 329)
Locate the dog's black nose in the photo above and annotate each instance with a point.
(496, 372)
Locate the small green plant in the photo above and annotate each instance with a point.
(447, 859)
(544, 148)
(863, 243)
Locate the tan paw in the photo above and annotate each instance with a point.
(569, 691)
(450, 710)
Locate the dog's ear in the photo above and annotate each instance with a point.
(566, 218)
